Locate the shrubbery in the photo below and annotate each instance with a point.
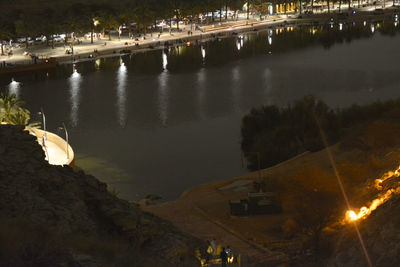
(278, 134)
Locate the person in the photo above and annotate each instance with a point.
(224, 257)
(213, 245)
(209, 251)
(229, 254)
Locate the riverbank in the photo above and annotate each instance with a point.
(103, 47)
(281, 239)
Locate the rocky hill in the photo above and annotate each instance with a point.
(55, 216)
(380, 233)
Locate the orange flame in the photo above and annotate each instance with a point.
(352, 216)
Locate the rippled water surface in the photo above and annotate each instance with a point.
(163, 121)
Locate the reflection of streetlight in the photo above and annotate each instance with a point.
(66, 137)
(14, 87)
(258, 160)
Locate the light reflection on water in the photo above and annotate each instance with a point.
(14, 88)
(201, 91)
(74, 83)
(163, 92)
(121, 93)
(236, 88)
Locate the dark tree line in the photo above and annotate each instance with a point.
(45, 17)
(278, 134)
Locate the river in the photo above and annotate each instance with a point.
(163, 121)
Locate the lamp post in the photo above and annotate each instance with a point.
(44, 137)
(258, 160)
(44, 125)
(66, 137)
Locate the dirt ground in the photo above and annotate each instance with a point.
(204, 210)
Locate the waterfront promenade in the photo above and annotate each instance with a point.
(102, 46)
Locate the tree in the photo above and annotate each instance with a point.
(143, 15)
(21, 28)
(315, 211)
(279, 134)
(109, 22)
(11, 110)
(236, 5)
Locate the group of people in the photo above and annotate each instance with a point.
(225, 254)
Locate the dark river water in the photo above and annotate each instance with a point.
(163, 121)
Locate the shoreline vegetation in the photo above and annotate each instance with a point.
(40, 57)
(271, 135)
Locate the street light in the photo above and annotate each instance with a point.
(66, 138)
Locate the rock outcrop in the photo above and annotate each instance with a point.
(67, 204)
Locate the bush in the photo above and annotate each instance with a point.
(278, 134)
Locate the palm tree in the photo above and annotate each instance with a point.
(11, 111)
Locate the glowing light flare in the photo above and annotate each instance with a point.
(340, 26)
(385, 176)
(381, 199)
(372, 28)
(365, 211)
(313, 31)
(96, 22)
(270, 40)
(203, 52)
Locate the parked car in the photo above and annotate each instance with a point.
(16, 44)
(57, 38)
(41, 39)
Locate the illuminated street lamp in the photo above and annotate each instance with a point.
(96, 22)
